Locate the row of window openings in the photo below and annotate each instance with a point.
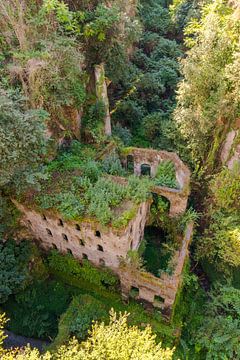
(134, 292)
(81, 242)
(77, 227)
(84, 256)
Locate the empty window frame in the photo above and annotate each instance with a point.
(69, 251)
(97, 233)
(81, 242)
(158, 299)
(100, 248)
(60, 222)
(134, 292)
(101, 262)
(77, 227)
(145, 170)
(64, 236)
(49, 232)
(84, 256)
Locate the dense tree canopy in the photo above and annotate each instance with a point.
(22, 136)
(115, 341)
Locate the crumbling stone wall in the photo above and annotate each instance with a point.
(101, 245)
(178, 197)
(161, 292)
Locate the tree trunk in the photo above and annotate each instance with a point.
(101, 92)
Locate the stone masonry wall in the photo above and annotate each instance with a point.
(101, 245)
(161, 292)
(177, 197)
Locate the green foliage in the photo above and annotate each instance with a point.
(218, 335)
(34, 312)
(80, 315)
(69, 265)
(77, 186)
(207, 100)
(117, 338)
(184, 11)
(158, 251)
(112, 165)
(22, 140)
(226, 189)
(220, 241)
(166, 175)
(14, 273)
(9, 217)
(151, 81)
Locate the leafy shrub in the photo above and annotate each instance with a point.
(67, 264)
(218, 335)
(220, 242)
(166, 174)
(14, 273)
(112, 165)
(34, 312)
(19, 129)
(226, 189)
(139, 189)
(123, 133)
(87, 310)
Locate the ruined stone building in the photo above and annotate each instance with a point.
(107, 246)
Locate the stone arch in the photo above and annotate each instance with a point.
(166, 201)
(145, 169)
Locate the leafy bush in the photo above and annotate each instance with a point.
(220, 243)
(226, 189)
(34, 312)
(112, 165)
(87, 310)
(14, 273)
(22, 138)
(67, 264)
(218, 335)
(166, 174)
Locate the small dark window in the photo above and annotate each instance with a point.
(54, 246)
(100, 248)
(49, 232)
(65, 237)
(134, 292)
(29, 222)
(60, 222)
(81, 242)
(146, 170)
(84, 256)
(69, 251)
(97, 233)
(130, 163)
(77, 227)
(158, 299)
(44, 217)
(131, 229)
(101, 262)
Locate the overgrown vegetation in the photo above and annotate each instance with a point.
(146, 88)
(56, 157)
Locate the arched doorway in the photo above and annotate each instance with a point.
(145, 170)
